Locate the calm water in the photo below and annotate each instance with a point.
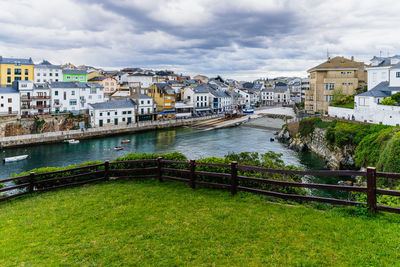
(192, 143)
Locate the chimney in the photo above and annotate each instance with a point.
(352, 58)
(329, 59)
(342, 59)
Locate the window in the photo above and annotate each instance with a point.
(101, 114)
(142, 111)
(130, 112)
(10, 100)
(328, 98)
(198, 98)
(142, 102)
(17, 71)
(8, 79)
(148, 102)
(343, 73)
(92, 90)
(82, 78)
(38, 74)
(65, 95)
(72, 92)
(26, 72)
(108, 120)
(17, 78)
(123, 119)
(344, 83)
(201, 98)
(73, 102)
(108, 113)
(38, 80)
(75, 78)
(329, 86)
(50, 74)
(55, 92)
(116, 113)
(9, 71)
(397, 74)
(349, 73)
(44, 74)
(26, 78)
(68, 77)
(205, 98)
(56, 74)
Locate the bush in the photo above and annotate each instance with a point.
(388, 101)
(307, 126)
(389, 160)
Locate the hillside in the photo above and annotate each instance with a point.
(147, 223)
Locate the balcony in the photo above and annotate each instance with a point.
(13, 113)
(41, 97)
(40, 106)
(26, 107)
(26, 98)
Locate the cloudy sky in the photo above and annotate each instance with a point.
(242, 39)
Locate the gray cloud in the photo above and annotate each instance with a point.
(244, 39)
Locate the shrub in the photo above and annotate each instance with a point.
(388, 101)
(389, 160)
(307, 126)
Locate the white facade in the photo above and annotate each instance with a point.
(143, 80)
(74, 97)
(47, 73)
(119, 112)
(35, 98)
(267, 97)
(9, 102)
(395, 76)
(376, 75)
(145, 105)
(198, 98)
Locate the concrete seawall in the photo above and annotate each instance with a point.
(57, 137)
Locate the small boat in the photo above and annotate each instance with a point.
(16, 158)
(248, 111)
(72, 141)
(271, 139)
(118, 148)
(125, 141)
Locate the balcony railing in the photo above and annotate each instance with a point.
(9, 113)
(40, 106)
(41, 97)
(26, 98)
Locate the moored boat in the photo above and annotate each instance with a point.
(248, 111)
(125, 141)
(118, 148)
(72, 141)
(16, 158)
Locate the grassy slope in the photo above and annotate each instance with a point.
(136, 223)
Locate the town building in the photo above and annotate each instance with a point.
(165, 98)
(281, 93)
(9, 101)
(338, 76)
(220, 101)
(267, 97)
(379, 69)
(199, 98)
(368, 105)
(74, 75)
(146, 109)
(15, 69)
(111, 113)
(305, 86)
(47, 72)
(74, 96)
(201, 78)
(109, 83)
(34, 98)
(139, 79)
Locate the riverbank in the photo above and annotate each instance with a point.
(60, 136)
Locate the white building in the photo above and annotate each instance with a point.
(117, 112)
(74, 96)
(47, 72)
(367, 105)
(198, 97)
(139, 79)
(146, 110)
(267, 97)
(9, 101)
(220, 101)
(379, 70)
(35, 98)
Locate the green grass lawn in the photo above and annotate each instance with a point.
(147, 223)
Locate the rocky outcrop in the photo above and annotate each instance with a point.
(40, 125)
(335, 157)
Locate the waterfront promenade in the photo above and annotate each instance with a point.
(60, 136)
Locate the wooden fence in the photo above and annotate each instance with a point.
(187, 173)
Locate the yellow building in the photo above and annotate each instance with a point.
(334, 77)
(165, 97)
(109, 83)
(14, 69)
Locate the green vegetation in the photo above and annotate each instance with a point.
(143, 223)
(344, 102)
(267, 160)
(388, 101)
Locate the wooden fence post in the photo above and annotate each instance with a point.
(159, 173)
(192, 166)
(371, 189)
(106, 170)
(31, 182)
(234, 182)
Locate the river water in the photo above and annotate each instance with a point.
(192, 143)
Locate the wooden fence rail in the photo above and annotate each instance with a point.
(231, 179)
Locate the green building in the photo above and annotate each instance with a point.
(72, 75)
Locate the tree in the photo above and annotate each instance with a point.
(388, 101)
(337, 94)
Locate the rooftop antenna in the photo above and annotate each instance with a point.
(327, 53)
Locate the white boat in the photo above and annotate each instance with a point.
(72, 141)
(16, 158)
